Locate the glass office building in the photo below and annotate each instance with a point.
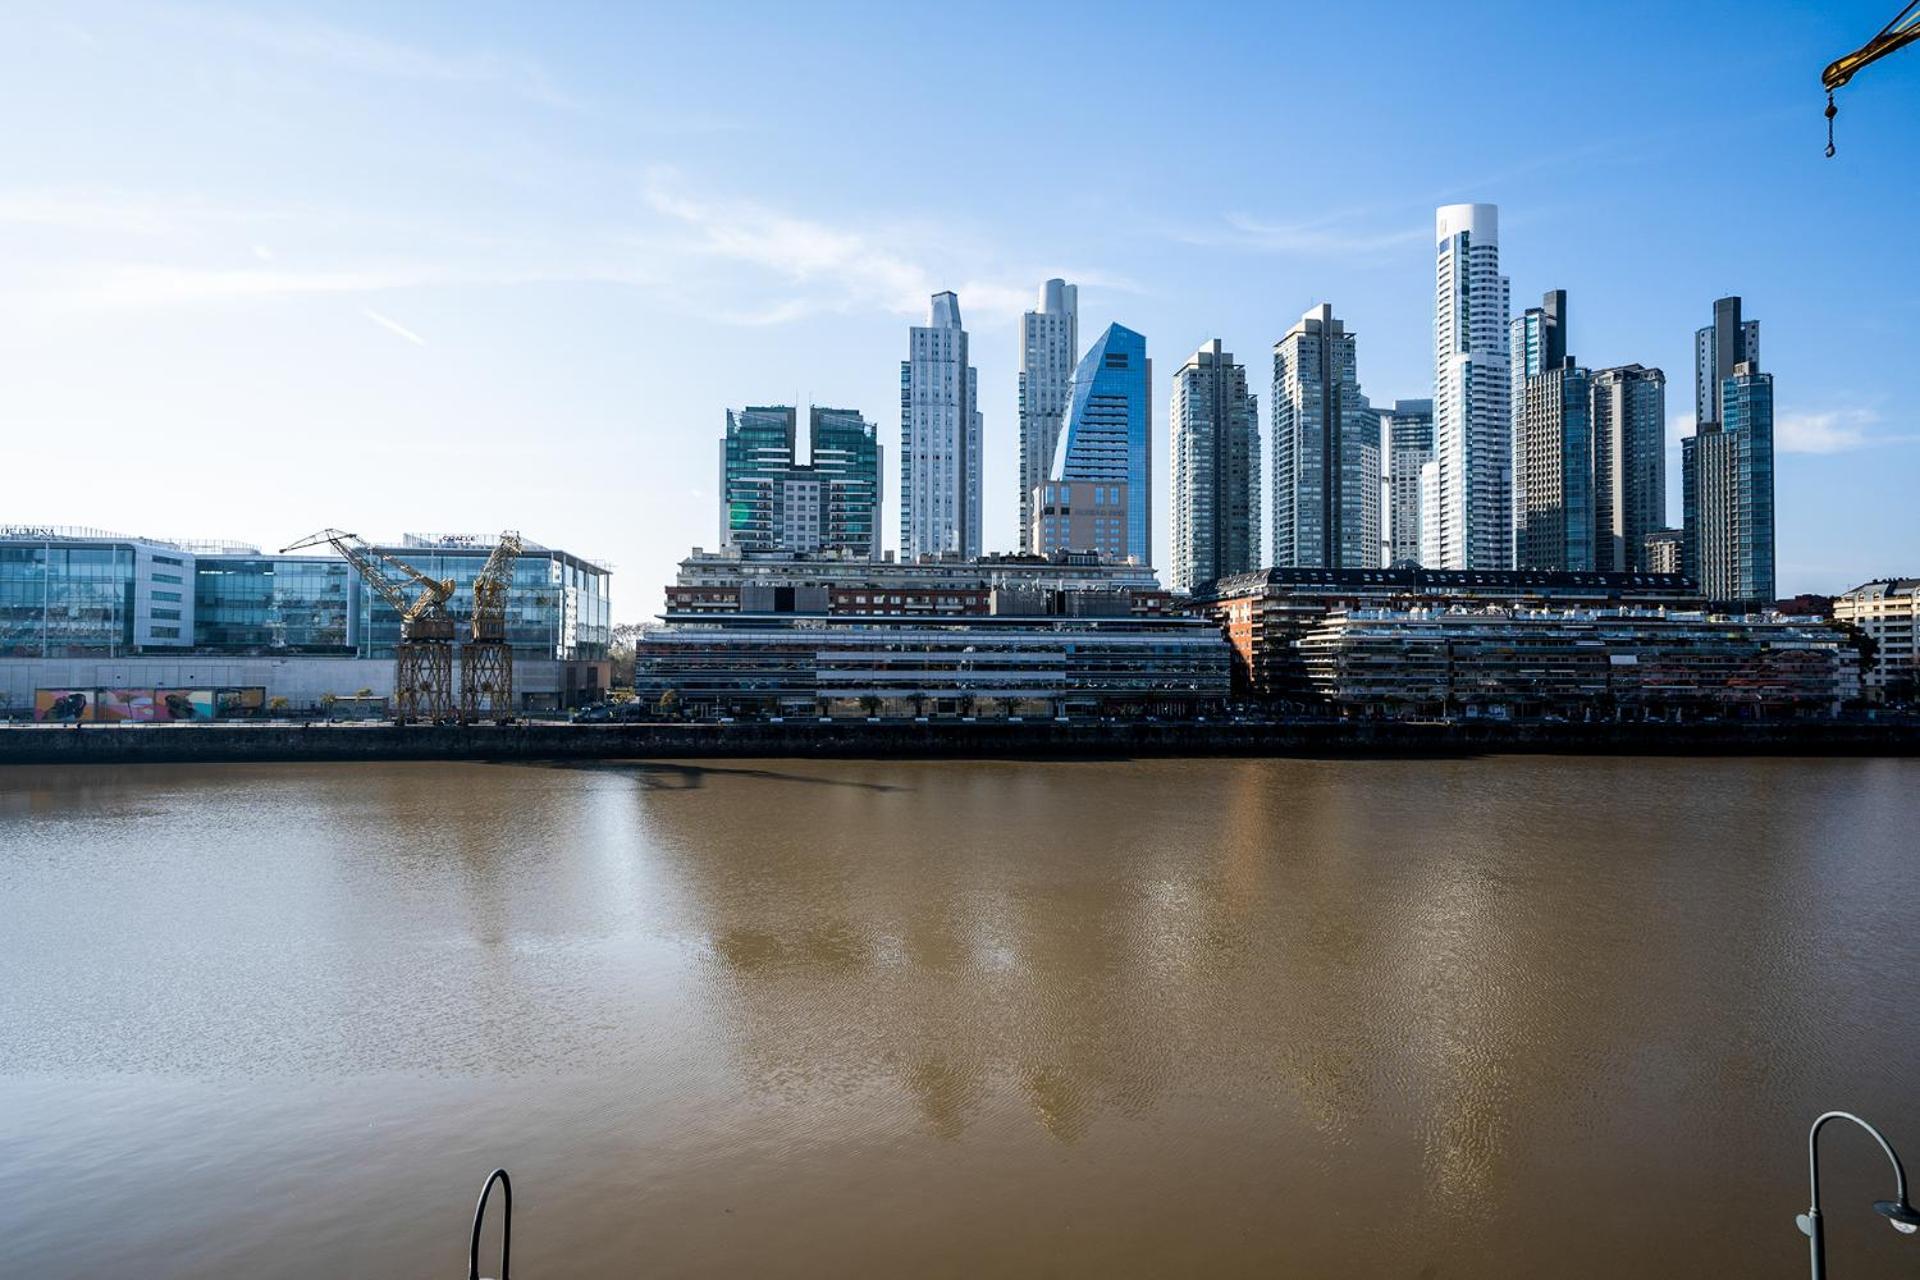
(65, 601)
(558, 606)
(69, 593)
(86, 593)
(291, 604)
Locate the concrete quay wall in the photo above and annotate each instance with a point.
(224, 743)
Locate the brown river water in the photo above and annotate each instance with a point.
(1492, 1018)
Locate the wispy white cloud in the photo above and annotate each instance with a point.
(393, 326)
(838, 268)
(1336, 236)
(357, 52)
(1833, 431)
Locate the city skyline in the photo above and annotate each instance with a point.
(471, 248)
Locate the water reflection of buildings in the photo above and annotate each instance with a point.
(1371, 989)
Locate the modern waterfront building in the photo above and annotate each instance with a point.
(1629, 423)
(104, 620)
(1326, 450)
(1266, 614)
(940, 435)
(1215, 426)
(1727, 464)
(1049, 341)
(1030, 657)
(1576, 664)
(1887, 612)
(1470, 521)
(1406, 433)
(771, 500)
(1106, 446)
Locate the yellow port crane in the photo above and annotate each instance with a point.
(486, 665)
(423, 660)
(1901, 32)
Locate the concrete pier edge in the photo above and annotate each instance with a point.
(239, 743)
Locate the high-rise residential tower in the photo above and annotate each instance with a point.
(1536, 342)
(1326, 450)
(772, 501)
(1214, 423)
(1406, 432)
(1629, 465)
(1553, 472)
(939, 439)
(1049, 340)
(1717, 348)
(1098, 495)
(1471, 517)
(1727, 465)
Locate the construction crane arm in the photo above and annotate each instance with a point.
(373, 566)
(1902, 31)
(1897, 34)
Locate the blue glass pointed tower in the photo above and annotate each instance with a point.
(1107, 445)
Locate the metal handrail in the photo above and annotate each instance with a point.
(506, 1224)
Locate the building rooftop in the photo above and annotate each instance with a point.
(1441, 581)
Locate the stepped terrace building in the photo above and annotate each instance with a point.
(1576, 664)
(1264, 615)
(734, 582)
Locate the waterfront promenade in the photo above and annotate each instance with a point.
(1066, 740)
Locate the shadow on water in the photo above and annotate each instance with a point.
(657, 776)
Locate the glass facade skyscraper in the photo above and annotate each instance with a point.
(1629, 465)
(1326, 450)
(1470, 520)
(1554, 470)
(1108, 442)
(1049, 339)
(1215, 424)
(940, 430)
(771, 501)
(1727, 465)
(1407, 434)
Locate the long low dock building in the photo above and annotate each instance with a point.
(1577, 663)
(1000, 637)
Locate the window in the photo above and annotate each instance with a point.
(167, 595)
(172, 615)
(166, 633)
(167, 577)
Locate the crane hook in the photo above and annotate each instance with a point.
(1832, 111)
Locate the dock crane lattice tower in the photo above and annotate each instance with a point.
(486, 665)
(423, 659)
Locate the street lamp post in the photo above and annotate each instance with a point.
(1899, 1211)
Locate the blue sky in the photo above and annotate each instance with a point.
(464, 267)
